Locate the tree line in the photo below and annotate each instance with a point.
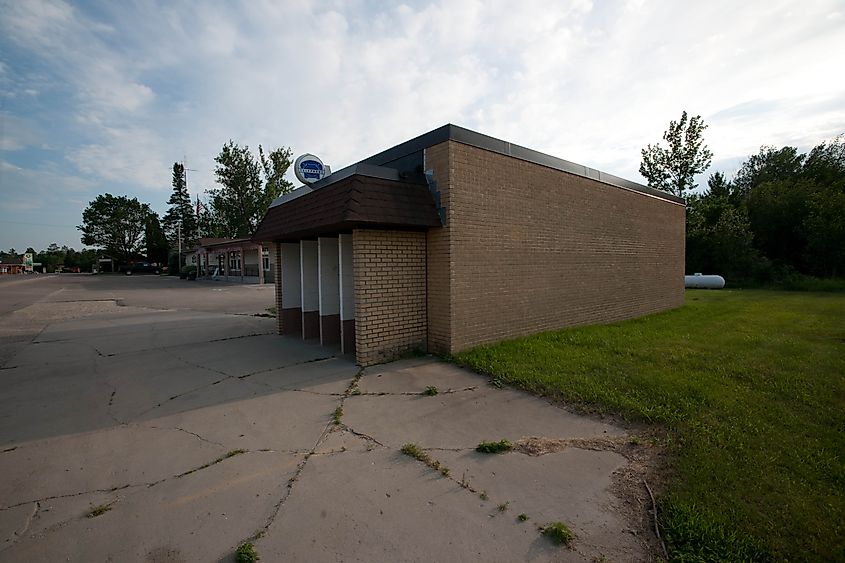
(782, 215)
(54, 258)
(124, 227)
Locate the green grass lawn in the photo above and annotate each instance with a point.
(749, 385)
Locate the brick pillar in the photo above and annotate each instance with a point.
(277, 275)
(243, 262)
(389, 271)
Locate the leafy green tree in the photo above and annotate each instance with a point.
(244, 195)
(673, 168)
(719, 237)
(769, 165)
(116, 224)
(180, 219)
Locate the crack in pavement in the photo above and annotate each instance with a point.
(327, 430)
(236, 377)
(146, 484)
(17, 535)
(78, 494)
(201, 438)
(365, 437)
(157, 348)
(413, 393)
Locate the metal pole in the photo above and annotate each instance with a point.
(179, 236)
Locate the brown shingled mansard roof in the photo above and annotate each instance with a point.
(355, 201)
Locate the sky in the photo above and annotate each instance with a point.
(103, 97)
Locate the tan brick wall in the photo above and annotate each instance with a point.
(276, 251)
(438, 258)
(389, 272)
(532, 248)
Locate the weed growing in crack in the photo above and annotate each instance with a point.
(246, 553)
(494, 447)
(355, 391)
(497, 383)
(558, 532)
(98, 510)
(337, 415)
(503, 507)
(431, 391)
(415, 452)
(483, 495)
(522, 517)
(420, 454)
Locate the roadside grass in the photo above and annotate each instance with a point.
(750, 386)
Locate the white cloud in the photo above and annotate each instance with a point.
(25, 188)
(17, 133)
(590, 82)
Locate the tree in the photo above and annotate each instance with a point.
(157, 244)
(243, 196)
(719, 237)
(673, 169)
(769, 165)
(180, 221)
(116, 224)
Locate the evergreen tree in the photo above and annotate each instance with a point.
(157, 245)
(180, 216)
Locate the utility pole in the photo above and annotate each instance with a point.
(179, 236)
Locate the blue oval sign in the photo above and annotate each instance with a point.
(309, 169)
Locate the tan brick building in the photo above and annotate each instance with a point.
(455, 239)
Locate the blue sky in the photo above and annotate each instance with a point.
(100, 97)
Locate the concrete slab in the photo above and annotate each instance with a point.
(329, 376)
(252, 355)
(383, 506)
(465, 418)
(52, 399)
(282, 420)
(415, 375)
(102, 460)
(152, 330)
(572, 486)
(198, 517)
(108, 404)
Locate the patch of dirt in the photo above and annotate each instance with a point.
(646, 464)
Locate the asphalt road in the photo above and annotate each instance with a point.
(151, 419)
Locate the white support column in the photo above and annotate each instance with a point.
(290, 281)
(310, 285)
(260, 264)
(347, 295)
(327, 253)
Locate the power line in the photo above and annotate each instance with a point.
(36, 224)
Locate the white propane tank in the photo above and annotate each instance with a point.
(700, 281)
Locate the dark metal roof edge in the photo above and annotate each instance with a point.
(372, 166)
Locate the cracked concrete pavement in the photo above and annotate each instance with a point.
(193, 427)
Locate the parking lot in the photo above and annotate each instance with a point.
(144, 418)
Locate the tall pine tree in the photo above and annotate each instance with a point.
(181, 211)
